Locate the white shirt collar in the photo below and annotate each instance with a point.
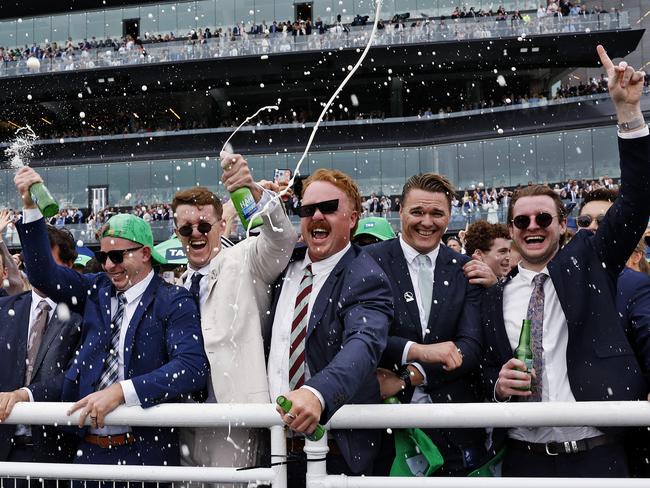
(36, 299)
(528, 274)
(325, 265)
(410, 254)
(204, 270)
(137, 290)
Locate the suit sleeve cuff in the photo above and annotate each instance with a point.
(634, 134)
(29, 392)
(130, 395)
(31, 215)
(318, 395)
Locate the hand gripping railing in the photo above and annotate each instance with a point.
(612, 414)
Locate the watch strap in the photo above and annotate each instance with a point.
(633, 124)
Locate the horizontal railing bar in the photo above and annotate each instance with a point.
(134, 473)
(391, 482)
(515, 414)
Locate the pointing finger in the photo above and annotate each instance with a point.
(604, 58)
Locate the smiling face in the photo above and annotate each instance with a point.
(327, 234)
(199, 248)
(497, 257)
(425, 217)
(133, 269)
(537, 245)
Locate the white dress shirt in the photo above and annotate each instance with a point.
(410, 254)
(33, 309)
(132, 296)
(203, 284)
(278, 365)
(556, 387)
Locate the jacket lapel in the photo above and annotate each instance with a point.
(503, 343)
(405, 291)
(104, 298)
(140, 309)
(21, 308)
(322, 300)
(53, 329)
(441, 287)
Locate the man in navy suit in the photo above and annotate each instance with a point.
(580, 350)
(434, 343)
(330, 322)
(40, 343)
(142, 342)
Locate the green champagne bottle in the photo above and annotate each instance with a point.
(285, 404)
(246, 207)
(44, 200)
(524, 351)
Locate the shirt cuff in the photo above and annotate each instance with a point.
(130, 395)
(318, 395)
(31, 215)
(494, 394)
(405, 354)
(268, 197)
(635, 134)
(29, 392)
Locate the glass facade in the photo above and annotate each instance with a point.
(506, 161)
(181, 17)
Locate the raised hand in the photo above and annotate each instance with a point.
(625, 86)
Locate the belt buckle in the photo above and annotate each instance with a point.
(549, 452)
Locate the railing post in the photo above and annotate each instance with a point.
(316, 462)
(279, 455)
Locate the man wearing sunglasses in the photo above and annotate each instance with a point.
(220, 278)
(434, 343)
(142, 342)
(580, 350)
(330, 321)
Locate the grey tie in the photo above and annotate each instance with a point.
(425, 283)
(36, 337)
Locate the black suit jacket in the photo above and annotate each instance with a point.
(57, 348)
(454, 316)
(600, 361)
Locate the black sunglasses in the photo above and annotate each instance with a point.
(117, 257)
(542, 219)
(586, 220)
(326, 207)
(202, 227)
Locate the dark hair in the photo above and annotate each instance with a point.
(197, 196)
(481, 235)
(64, 240)
(536, 191)
(453, 238)
(431, 182)
(599, 195)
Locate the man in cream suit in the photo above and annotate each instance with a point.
(232, 286)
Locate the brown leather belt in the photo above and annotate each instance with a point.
(568, 447)
(106, 441)
(296, 445)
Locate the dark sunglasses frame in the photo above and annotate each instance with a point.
(117, 256)
(586, 220)
(543, 219)
(326, 207)
(203, 228)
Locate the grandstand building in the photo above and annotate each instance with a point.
(132, 100)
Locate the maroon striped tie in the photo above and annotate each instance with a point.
(299, 332)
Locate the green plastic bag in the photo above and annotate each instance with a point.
(488, 470)
(415, 454)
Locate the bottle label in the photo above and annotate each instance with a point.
(529, 365)
(248, 206)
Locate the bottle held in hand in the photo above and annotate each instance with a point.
(524, 351)
(285, 404)
(44, 200)
(244, 202)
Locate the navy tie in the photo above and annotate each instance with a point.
(195, 288)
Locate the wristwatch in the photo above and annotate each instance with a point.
(633, 124)
(405, 375)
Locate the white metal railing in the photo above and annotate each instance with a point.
(619, 414)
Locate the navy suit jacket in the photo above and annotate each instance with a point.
(454, 316)
(633, 305)
(600, 361)
(346, 336)
(164, 354)
(58, 345)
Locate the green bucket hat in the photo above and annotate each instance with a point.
(377, 227)
(133, 228)
(82, 260)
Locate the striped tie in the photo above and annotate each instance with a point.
(299, 332)
(109, 375)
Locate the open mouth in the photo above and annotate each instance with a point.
(319, 234)
(534, 239)
(198, 244)
(424, 233)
